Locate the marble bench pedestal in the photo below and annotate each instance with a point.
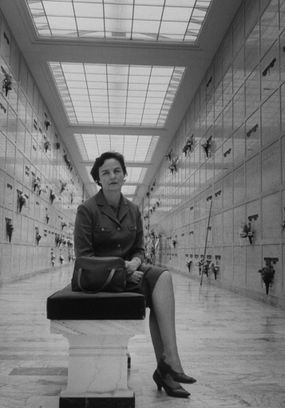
(97, 366)
(98, 328)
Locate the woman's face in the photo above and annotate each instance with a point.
(111, 175)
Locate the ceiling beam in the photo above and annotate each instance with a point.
(128, 164)
(117, 130)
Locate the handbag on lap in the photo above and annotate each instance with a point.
(97, 274)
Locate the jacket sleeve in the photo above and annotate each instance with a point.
(83, 232)
(138, 249)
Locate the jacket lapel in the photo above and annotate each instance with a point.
(106, 209)
(124, 209)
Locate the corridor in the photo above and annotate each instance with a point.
(234, 346)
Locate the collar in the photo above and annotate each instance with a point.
(106, 209)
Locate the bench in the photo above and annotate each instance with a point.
(98, 328)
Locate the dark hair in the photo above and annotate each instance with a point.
(100, 161)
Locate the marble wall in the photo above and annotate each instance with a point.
(39, 188)
(235, 127)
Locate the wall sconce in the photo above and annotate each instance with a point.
(173, 165)
(227, 152)
(267, 272)
(47, 218)
(67, 161)
(36, 184)
(38, 236)
(200, 264)
(207, 146)
(9, 228)
(247, 230)
(52, 258)
(252, 130)
(215, 267)
(63, 224)
(58, 240)
(7, 82)
(153, 185)
(189, 262)
(52, 196)
(204, 265)
(46, 145)
(62, 186)
(189, 145)
(169, 156)
(21, 200)
(47, 124)
(57, 145)
(189, 265)
(269, 66)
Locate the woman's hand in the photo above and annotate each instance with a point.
(135, 277)
(132, 265)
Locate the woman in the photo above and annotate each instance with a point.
(108, 224)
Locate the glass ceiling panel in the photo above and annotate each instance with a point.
(106, 94)
(134, 178)
(129, 190)
(134, 148)
(150, 20)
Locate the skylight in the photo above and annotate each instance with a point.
(113, 94)
(141, 20)
(129, 190)
(134, 177)
(134, 148)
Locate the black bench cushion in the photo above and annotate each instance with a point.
(68, 305)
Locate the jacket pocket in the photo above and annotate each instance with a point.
(102, 230)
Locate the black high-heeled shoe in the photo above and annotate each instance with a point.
(179, 377)
(172, 388)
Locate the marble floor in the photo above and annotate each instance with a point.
(234, 346)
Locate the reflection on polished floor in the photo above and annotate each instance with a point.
(234, 346)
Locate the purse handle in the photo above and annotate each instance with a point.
(107, 281)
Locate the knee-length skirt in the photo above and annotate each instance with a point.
(148, 282)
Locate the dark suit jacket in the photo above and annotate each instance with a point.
(99, 232)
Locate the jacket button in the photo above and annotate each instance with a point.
(119, 246)
(119, 229)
